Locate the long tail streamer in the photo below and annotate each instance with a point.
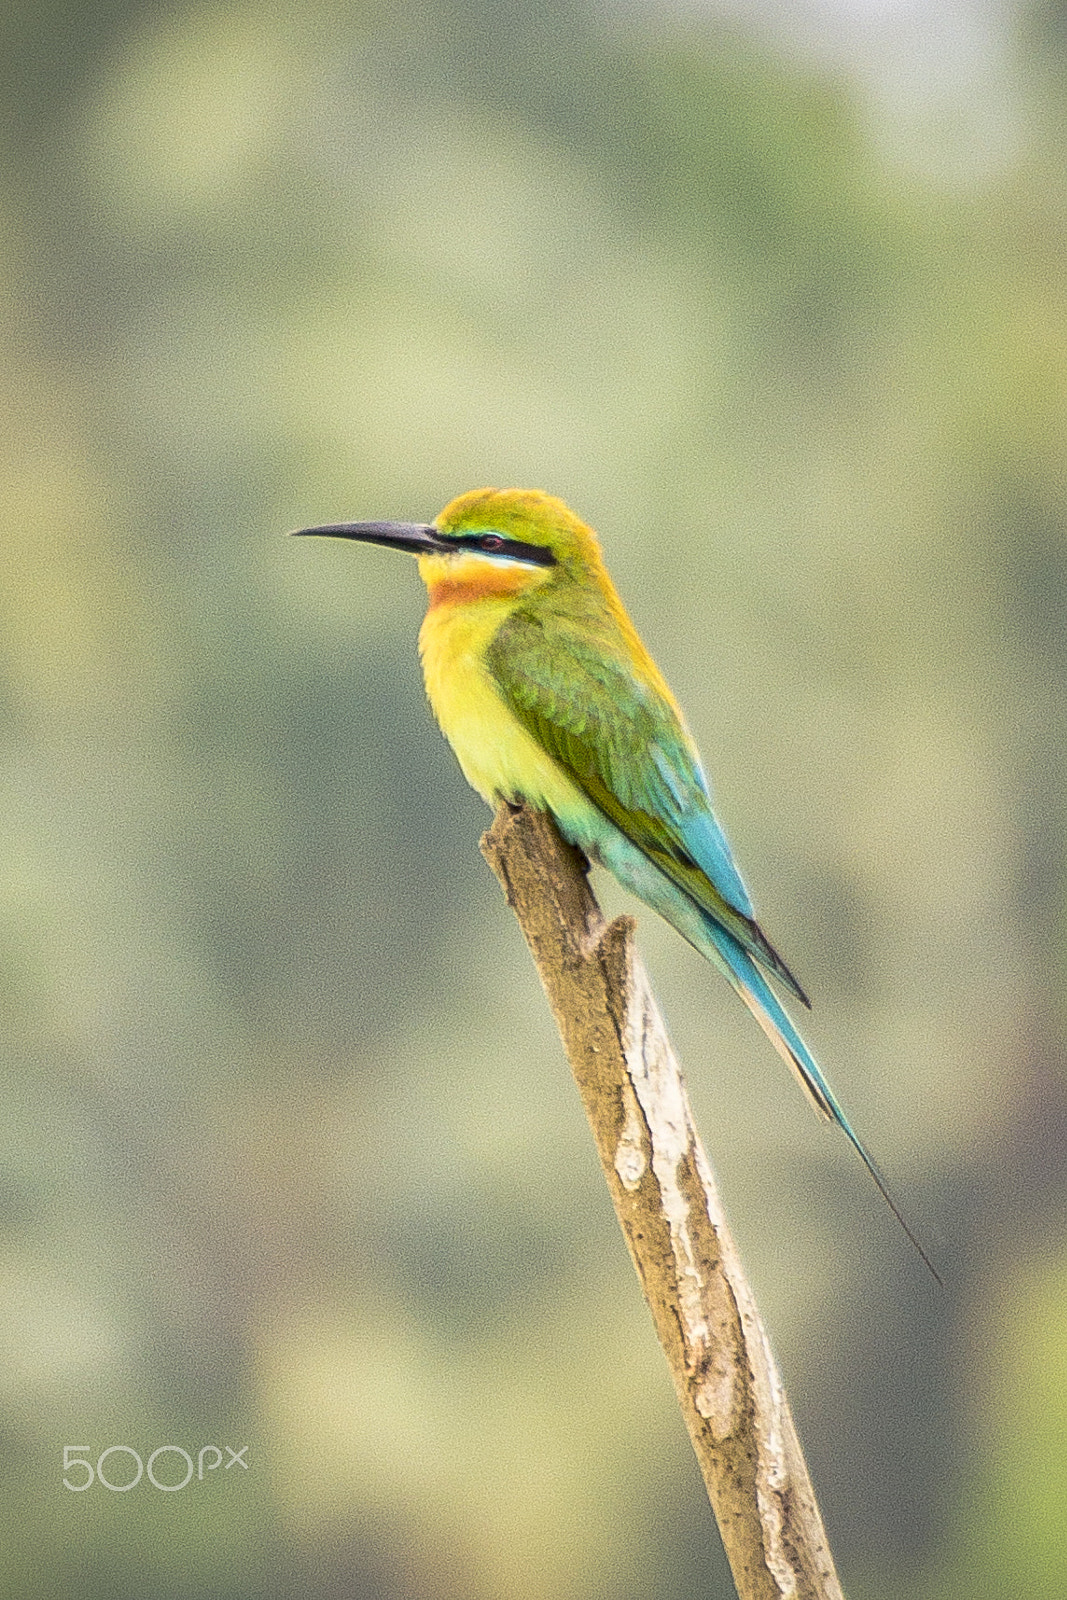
(772, 1017)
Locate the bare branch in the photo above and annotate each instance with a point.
(664, 1195)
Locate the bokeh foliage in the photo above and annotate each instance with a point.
(289, 1156)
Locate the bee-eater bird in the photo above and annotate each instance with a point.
(543, 688)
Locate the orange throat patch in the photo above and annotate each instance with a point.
(462, 580)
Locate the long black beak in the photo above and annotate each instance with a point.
(417, 538)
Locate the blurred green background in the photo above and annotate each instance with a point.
(290, 1158)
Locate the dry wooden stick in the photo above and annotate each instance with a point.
(664, 1195)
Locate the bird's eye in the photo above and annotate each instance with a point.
(490, 541)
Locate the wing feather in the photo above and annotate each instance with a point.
(623, 744)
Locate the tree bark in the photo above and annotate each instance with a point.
(668, 1208)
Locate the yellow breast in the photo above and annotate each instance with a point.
(499, 758)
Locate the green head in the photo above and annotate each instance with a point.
(526, 519)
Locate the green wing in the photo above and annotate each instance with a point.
(624, 747)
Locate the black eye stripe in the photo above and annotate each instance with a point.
(538, 555)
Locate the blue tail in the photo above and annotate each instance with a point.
(769, 1012)
(604, 842)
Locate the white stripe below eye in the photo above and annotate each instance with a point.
(495, 559)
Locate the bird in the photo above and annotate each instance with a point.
(543, 688)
